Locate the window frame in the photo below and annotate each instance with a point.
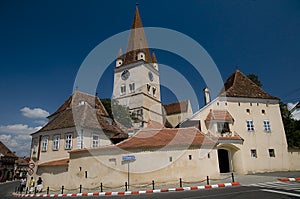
(132, 87)
(45, 140)
(250, 125)
(253, 153)
(272, 153)
(80, 142)
(123, 89)
(55, 144)
(68, 141)
(267, 126)
(95, 142)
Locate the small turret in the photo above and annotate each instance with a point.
(154, 60)
(119, 60)
(206, 95)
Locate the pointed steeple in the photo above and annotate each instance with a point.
(137, 46)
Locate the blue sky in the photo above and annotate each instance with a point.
(43, 43)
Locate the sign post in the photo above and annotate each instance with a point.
(126, 160)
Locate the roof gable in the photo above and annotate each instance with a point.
(239, 85)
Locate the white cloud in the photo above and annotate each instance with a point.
(34, 113)
(40, 122)
(19, 129)
(18, 143)
(291, 105)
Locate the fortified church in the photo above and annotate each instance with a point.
(240, 131)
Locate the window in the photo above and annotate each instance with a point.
(263, 112)
(223, 127)
(250, 125)
(271, 153)
(248, 111)
(56, 142)
(170, 159)
(208, 155)
(68, 141)
(44, 143)
(148, 88)
(131, 88)
(267, 126)
(123, 89)
(95, 141)
(253, 153)
(154, 91)
(139, 112)
(80, 139)
(190, 157)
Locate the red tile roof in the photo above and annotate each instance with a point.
(159, 138)
(220, 115)
(239, 85)
(176, 107)
(61, 162)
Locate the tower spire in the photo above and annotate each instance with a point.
(137, 41)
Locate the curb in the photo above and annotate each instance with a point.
(289, 179)
(133, 192)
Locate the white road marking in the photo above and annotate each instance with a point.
(281, 192)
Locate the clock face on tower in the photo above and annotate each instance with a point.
(125, 74)
(150, 75)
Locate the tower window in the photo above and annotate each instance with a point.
(123, 89)
(148, 88)
(190, 157)
(250, 125)
(154, 91)
(263, 111)
(248, 111)
(131, 88)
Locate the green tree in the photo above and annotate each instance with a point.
(255, 79)
(118, 112)
(291, 126)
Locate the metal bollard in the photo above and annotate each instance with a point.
(101, 187)
(207, 180)
(152, 184)
(47, 190)
(232, 176)
(80, 188)
(180, 182)
(62, 189)
(125, 186)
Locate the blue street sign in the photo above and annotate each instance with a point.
(128, 158)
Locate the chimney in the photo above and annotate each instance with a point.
(206, 96)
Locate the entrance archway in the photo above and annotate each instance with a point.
(224, 160)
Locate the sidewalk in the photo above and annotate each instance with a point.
(224, 181)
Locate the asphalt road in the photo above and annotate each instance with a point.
(268, 190)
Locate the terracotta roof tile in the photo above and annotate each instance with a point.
(220, 115)
(239, 85)
(61, 162)
(176, 107)
(159, 138)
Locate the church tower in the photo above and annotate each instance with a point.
(136, 77)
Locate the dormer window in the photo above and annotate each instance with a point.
(223, 127)
(81, 103)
